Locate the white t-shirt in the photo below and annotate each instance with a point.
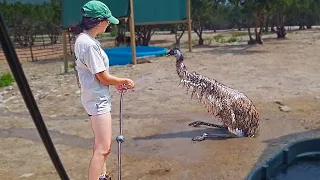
(91, 59)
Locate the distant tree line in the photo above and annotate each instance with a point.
(262, 15)
(26, 21)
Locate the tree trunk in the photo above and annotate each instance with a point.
(259, 23)
(31, 51)
(198, 30)
(200, 41)
(177, 44)
(281, 31)
(251, 40)
(200, 36)
(173, 30)
(301, 24)
(266, 27)
(239, 25)
(259, 34)
(145, 42)
(43, 41)
(179, 36)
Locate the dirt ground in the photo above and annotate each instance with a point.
(156, 115)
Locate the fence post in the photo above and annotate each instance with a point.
(65, 53)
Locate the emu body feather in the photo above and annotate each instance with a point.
(235, 110)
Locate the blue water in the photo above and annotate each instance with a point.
(122, 55)
(304, 170)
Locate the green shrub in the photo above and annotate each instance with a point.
(6, 79)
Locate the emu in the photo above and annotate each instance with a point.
(234, 109)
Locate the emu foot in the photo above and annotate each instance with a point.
(205, 136)
(199, 123)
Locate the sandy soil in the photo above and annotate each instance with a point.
(156, 115)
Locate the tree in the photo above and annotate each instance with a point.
(237, 16)
(303, 13)
(278, 9)
(256, 11)
(26, 21)
(182, 28)
(144, 33)
(52, 19)
(201, 12)
(219, 14)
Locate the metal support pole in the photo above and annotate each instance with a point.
(120, 138)
(132, 34)
(189, 24)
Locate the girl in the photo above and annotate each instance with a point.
(92, 65)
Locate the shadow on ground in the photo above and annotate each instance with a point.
(214, 134)
(57, 137)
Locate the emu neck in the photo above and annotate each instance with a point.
(181, 69)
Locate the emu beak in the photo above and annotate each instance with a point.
(168, 54)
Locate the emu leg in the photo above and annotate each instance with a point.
(205, 136)
(199, 123)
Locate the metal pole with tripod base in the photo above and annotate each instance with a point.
(120, 138)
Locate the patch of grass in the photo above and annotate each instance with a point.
(6, 79)
(222, 40)
(208, 40)
(232, 39)
(218, 37)
(71, 65)
(237, 34)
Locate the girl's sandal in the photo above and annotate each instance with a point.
(106, 176)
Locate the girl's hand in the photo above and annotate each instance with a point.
(120, 88)
(129, 84)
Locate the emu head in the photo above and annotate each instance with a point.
(175, 51)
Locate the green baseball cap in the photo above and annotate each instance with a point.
(97, 9)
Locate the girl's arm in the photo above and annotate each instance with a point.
(107, 79)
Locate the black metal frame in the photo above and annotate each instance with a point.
(28, 97)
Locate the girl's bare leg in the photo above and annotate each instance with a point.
(104, 169)
(102, 129)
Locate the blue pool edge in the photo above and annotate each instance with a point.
(123, 55)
